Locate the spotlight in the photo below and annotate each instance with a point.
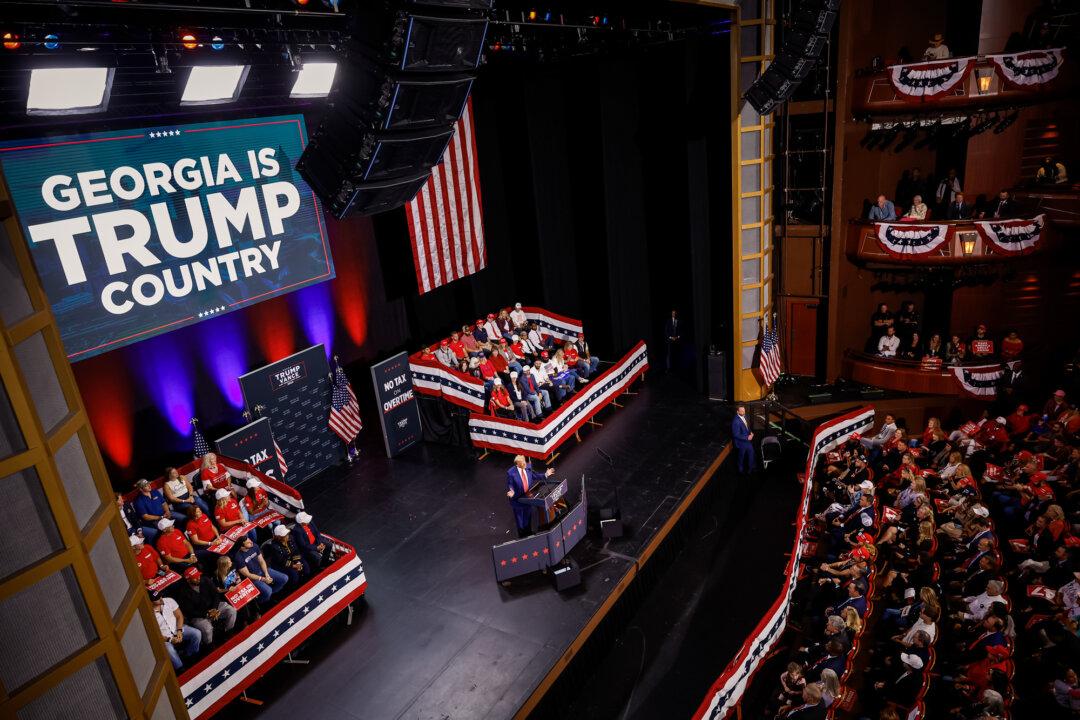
(547, 16)
(603, 20)
(52, 41)
(214, 84)
(314, 80)
(68, 91)
(11, 41)
(301, 3)
(188, 41)
(596, 20)
(216, 43)
(532, 15)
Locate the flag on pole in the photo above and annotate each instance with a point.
(200, 444)
(344, 410)
(769, 359)
(280, 459)
(445, 218)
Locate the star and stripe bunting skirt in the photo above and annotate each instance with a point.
(540, 440)
(558, 326)
(979, 382)
(225, 673)
(728, 689)
(445, 219)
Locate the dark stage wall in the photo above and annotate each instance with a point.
(606, 192)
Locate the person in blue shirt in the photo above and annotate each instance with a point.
(250, 563)
(150, 507)
(884, 211)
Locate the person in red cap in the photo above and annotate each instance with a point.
(468, 342)
(203, 607)
(1055, 406)
(982, 346)
(491, 327)
(447, 356)
(480, 333)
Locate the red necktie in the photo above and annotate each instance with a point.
(310, 537)
(524, 480)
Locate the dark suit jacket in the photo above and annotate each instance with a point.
(1007, 209)
(959, 211)
(740, 432)
(301, 540)
(513, 482)
(672, 329)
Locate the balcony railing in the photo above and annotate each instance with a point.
(983, 81)
(918, 377)
(944, 242)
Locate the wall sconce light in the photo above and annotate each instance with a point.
(984, 78)
(967, 243)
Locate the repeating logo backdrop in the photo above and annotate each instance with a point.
(138, 232)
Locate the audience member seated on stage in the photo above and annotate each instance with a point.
(487, 370)
(573, 361)
(181, 641)
(889, 343)
(252, 566)
(911, 348)
(1056, 406)
(955, 351)
(499, 403)
(883, 210)
(959, 208)
(587, 364)
(981, 345)
(881, 321)
(316, 549)
(1051, 172)
(225, 578)
(174, 547)
(150, 507)
(203, 607)
(216, 477)
(934, 348)
(505, 361)
(538, 397)
(565, 371)
(908, 320)
(544, 381)
(538, 339)
(150, 564)
(811, 706)
(201, 533)
(491, 327)
(562, 380)
(519, 479)
(917, 211)
(1012, 347)
(522, 407)
(448, 356)
(504, 325)
(227, 512)
(937, 50)
(480, 334)
(179, 493)
(1001, 209)
(518, 317)
(468, 342)
(284, 555)
(257, 502)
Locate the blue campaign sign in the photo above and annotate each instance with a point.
(138, 232)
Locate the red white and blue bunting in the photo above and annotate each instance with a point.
(213, 682)
(903, 240)
(433, 378)
(538, 441)
(728, 689)
(978, 381)
(558, 326)
(1031, 67)
(924, 80)
(1012, 237)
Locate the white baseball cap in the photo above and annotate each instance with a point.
(911, 660)
(303, 518)
(513, 375)
(281, 531)
(866, 485)
(221, 494)
(164, 524)
(498, 381)
(517, 306)
(253, 483)
(980, 511)
(135, 540)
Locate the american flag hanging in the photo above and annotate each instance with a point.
(200, 445)
(445, 218)
(344, 410)
(769, 361)
(280, 460)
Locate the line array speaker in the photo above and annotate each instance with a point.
(800, 51)
(403, 80)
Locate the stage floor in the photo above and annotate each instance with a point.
(439, 638)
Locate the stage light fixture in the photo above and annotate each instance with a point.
(216, 43)
(547, 16)
(11, 41)
(68, 91)
(214, 84)
(315, 79)
(52, 41)
(532, 15)
(188, 41)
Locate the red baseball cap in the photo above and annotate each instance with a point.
(855, 436)
(544, 354)
(502, 341)
(445, 343)
(581, 334)
(479, 322)
(491, 316)
(193, 573)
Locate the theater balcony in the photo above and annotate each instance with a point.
(1060, 203)
(914, 376)
(965, 84)
(943, 243)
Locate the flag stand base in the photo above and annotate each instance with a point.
(244, 697)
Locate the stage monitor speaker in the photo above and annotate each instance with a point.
(717, 376)
(567, 575)
(342, 196)
(377, 156)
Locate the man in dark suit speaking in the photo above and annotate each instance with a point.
(519, 479)
(744, 441)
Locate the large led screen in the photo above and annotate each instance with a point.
(139, 232)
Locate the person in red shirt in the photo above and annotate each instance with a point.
(201, 533)
(457, 346)
(573, 360)
(498, 360)
(227, 512)
(992, 435)
(174, 547)
(148, 560)
(500, 404)
(215, 476)
(428, 354)
(1012, 346)
(487, 371)
(257, 501)
(1019, 422)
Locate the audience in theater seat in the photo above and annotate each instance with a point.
(1051, 172)
(959, 208)
(150, 507)
(1002, 208)
(1012, 347)
(174, 547)
(149, 562)
(538, 397)
(937, 50)
(480, 334)
(518, 317)
(201, 533)
(181, 640)
(227, 513)
(316, 549)
(946, 192)
(203, 607)
(889, 343)
(883, 210)
(499, 403)
(216, 477)
(251, 565)
(934, 348)
(284, 555)
(179, 492)
(469, 343)
(981, 345)
(917, 210)
(955, 350)
(523, 409)
(587, 362)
